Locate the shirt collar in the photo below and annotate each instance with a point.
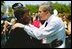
(48, 20)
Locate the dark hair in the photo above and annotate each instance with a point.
(17, 5)
(31, 19)
(37, 17)
(21, 17)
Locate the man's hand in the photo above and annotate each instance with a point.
(18, 25)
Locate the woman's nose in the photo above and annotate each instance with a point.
(39, 14)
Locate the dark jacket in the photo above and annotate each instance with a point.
(20, 39)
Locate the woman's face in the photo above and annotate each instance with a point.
(64, 18)
(41, 13)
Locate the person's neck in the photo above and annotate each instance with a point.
(45, 17)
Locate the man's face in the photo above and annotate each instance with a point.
(41, 12)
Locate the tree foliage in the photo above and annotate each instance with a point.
(61, 8)
(32, 8)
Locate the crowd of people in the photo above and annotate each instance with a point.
(41, 30)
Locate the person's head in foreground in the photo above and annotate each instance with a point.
(22, 15)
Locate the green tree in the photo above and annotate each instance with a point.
(10, 12)
(32, 8)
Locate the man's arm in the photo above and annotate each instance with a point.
(41, 33)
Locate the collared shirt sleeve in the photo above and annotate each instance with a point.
(29, 30)
(50, 29)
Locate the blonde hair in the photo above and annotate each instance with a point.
(47, 8)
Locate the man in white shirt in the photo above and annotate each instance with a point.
(51, 32)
